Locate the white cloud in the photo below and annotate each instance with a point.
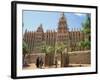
(80, 14)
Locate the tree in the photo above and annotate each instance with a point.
(59, 48)
(85, 44)
(48, 50)
(25, 52)
(87, 26)
(86, 29)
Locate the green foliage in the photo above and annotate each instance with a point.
(85, 44)
(25, 48)
(86, 25)
(43, 48)
(60, 47)
(50, 49)
(86, 28)
(47, 49)
(82, 44)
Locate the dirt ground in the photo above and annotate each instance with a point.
(33, 66)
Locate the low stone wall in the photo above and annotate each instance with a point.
(32, 57)
(76, 57)
(80, 57)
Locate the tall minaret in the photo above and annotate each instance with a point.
(62, 24)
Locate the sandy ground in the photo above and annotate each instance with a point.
(33, 66)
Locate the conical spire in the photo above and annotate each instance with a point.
(40, 29)
(62, 15)
(62, 24)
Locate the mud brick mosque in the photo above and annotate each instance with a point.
(70, 37)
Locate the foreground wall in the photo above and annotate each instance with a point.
(76, 57)
(80, 57)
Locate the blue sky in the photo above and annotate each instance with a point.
(49, 20)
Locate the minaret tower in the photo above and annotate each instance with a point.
(62, 24)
